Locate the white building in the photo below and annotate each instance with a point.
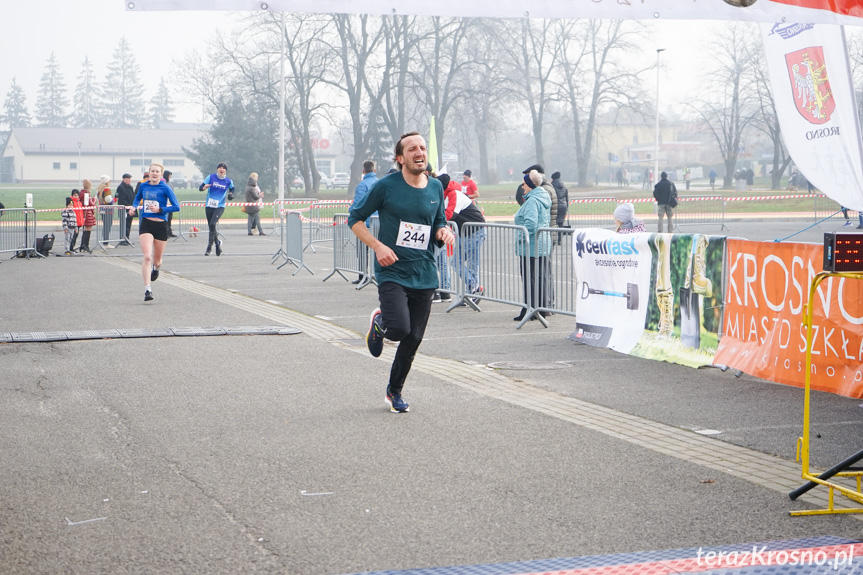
(68, 155)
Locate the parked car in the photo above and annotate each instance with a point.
(179, 180)
(340, 180)
(326, 181)
(196, 181)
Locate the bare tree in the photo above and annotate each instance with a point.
(489, 91)
(358, 38)
(533, 54)
(593, 75)
(766, 119)
(729, 108)
(399, 46)
(439, 79)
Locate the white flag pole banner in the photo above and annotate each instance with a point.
(816, 11)
(814, 98)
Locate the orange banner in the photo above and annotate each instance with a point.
(763, 325)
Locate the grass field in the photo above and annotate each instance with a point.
(496, 200)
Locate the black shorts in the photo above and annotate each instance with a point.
(158, 229)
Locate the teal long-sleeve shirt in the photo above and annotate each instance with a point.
(396, 202)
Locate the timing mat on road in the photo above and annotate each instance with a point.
(45, 336)
(791, 557)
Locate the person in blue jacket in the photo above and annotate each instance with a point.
(535, 213)
(219, 187)
(154, 200)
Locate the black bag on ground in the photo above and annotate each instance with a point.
(44, 244)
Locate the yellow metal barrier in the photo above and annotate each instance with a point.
(803, 442)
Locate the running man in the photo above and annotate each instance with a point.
(218, 187)
(412, 222)
(156, 199)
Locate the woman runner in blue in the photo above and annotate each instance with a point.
(218, 187)
(155, 199)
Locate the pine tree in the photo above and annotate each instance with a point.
(122, 96)
(51, 103)
(161, 107)
(380, 143)
(15, 114)
(85, 102)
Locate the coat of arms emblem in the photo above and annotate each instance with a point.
(810, 84)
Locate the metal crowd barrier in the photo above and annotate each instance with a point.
(281, 206)
(591, 213)
(825, 207)
(110, 225)
(191, 221)
(320, 220)
(700, 211)
(350, 255)
(291, 249)
(498, 270)
(558, 283)
(347, 250)
(18, 232)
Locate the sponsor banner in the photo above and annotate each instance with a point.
(764, 333)
(612, 272)
(816, 107)
(655, 296)
(828, 11)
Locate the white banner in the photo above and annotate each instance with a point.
(613, 281)
(814, 97)
(819, 11)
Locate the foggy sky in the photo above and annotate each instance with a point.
(73, 30)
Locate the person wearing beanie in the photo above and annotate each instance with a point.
(219, 188)
(625, 221)
(562, 199)
(535, 213)
(469, 186)
(103, 193)
(254, 197)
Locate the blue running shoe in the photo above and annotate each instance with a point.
(396, 403)
(375, 337)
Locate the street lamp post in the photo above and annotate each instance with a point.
(656, 144)
(79, 162)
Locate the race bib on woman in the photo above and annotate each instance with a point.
(212, 203)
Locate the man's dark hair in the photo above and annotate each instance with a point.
(400, 149)
(368, 166)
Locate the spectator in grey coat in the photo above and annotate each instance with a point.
(562, 199)
(254, 197)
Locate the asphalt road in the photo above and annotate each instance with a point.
(276, 454)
